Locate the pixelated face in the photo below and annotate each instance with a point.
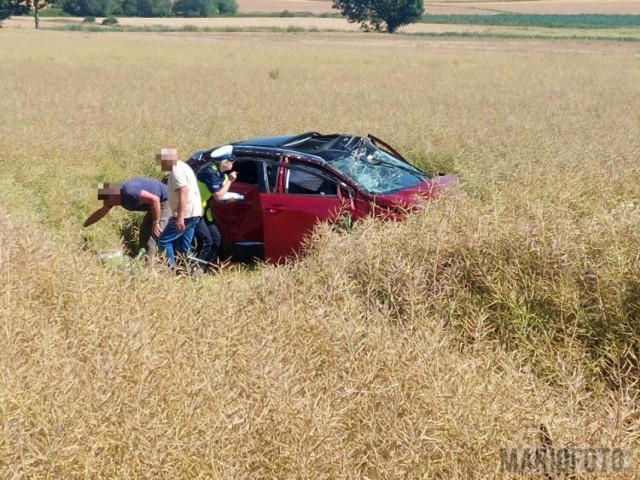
(110, 193)
(225, 165)
(167, 158)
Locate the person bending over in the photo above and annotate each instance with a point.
(138, 194)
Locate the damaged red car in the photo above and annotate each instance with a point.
(287, 184)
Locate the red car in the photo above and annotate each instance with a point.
(287, 184)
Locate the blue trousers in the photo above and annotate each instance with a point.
(209, 239)
(173, 241)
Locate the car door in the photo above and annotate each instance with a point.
(303, 196)
(240, 220)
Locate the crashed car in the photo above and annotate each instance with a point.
(287, 184)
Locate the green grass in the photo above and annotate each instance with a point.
(539, 34)
(590, 21)
(79, 27)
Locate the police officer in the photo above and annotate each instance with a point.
(214, 183)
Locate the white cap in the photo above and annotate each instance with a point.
(223, 153)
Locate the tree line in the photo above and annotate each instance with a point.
(376, 15)
(126, 8)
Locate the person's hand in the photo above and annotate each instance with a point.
(155, 229)
(233, 176)
(180, 224)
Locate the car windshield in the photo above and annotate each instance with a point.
(375, 170)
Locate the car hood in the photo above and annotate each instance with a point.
(410, 198)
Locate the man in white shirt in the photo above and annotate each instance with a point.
(185, 204)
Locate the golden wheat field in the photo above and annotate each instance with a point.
(416, 349)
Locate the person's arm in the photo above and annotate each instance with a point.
(217, 196)
(154, 206)
(182, 206)
(97, 215)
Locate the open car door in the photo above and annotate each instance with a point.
(240, 219)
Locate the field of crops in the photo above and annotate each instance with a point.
(408, 350)
(538, 20)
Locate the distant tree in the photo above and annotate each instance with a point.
(227, 7)
(195, 8)
(90, 8)
(7, 8)
(204, 8)
(36, 5)
(128, 8)
(21, 7)
(381, 15)
(147, 8)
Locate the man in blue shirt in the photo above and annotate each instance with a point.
(137, 195)
(214, 183)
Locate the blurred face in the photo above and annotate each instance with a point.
(110, 194)
(167, 158)
(225, 165)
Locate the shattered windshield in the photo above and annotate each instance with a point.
(372, 168)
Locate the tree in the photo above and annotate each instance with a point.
(204, 8)
(6, 9)
(37, 5)
(90, 8)
(145, 8)
(381, 15)
(11, 7)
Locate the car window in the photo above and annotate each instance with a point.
(247, 171)
(308, 180)
(271, 170)
(257, 171)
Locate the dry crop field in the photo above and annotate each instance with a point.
(407, 350)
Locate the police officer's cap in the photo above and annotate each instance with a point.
(223, 153)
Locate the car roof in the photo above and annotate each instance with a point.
(275, 141)
(312, 145)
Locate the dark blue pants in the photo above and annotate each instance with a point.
(209, 240)
(173, 241)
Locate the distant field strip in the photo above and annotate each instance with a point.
(462, 7)
(619, 7)
(543, 28)
(538, 20)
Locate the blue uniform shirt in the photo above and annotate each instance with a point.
(211, 177)
(131, 190)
